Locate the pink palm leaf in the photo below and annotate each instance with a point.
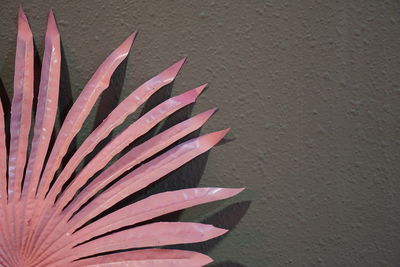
(44, 217)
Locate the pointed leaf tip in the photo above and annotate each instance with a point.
(213, 138)
(198, 90)
(201, 88)
(51, 24)
(218, 231)
(233, 191)
(170, 73)
(222, 133)
(226, 131)
(125, 46)
(21, 12)
(192, 94)
(133, 35)
(129, 41)
(224, 231)
(181, 62)
(214, 110)
(23, 25)
(204, 116)
(207, 114)
(175, 68)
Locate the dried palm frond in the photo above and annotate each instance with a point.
(46, 214)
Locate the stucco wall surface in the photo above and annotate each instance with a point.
(311, 90)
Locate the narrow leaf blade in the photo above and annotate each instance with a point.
(21, 108)
(154, 234)
(148, 258)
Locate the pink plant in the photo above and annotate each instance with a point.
(44, 223)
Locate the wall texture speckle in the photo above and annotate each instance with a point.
(311, 90)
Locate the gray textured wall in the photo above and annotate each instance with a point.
(311, 90)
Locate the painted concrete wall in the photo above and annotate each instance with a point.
(311, 90)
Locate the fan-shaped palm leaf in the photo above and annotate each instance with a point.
(45, 220)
